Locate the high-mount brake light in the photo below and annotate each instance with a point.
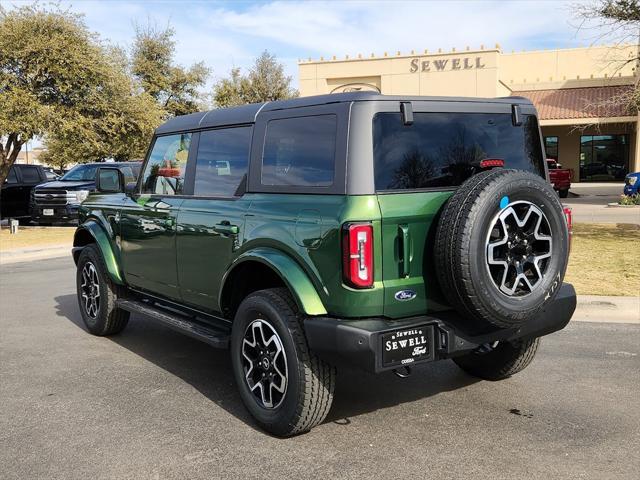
(568, 215)
(357, 254)
(491, 162)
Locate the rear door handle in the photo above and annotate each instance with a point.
(405, 244)
(226, 228)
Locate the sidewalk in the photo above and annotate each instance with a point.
(35, 253)
(594, 308)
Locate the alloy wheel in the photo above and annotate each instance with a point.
(90, 290)
(519, 246)
(265, 364)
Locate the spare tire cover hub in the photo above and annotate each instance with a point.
(519, 244)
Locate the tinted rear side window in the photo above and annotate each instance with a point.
(300, 151)
(221, 164)
(444, 149)
(30, 174)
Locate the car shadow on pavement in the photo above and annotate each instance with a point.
(209, 371)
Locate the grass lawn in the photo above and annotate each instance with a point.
(34, 237)
(604, 259)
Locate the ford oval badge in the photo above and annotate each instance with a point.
(405, 295)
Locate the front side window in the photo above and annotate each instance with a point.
(165, 169)
(444, 149)
(128, 174)
(221, 164)
(300, 151)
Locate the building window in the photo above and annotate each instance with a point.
(604, 157)
(551, 147)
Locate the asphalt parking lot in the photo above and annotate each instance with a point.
(151, 404)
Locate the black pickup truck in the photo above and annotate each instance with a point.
(16, 190)
(58, 201)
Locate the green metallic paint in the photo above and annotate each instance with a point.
(208, 238)
(306, 228)
(291, 274)
(109, 251)
(298, 236)
(409, 219)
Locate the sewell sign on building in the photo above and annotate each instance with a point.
(441, 64)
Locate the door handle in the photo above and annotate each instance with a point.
(226, 228)
(405, 244)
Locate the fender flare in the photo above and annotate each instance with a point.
(291, 273)
(104, 243)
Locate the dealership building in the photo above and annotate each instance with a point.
(580, 94)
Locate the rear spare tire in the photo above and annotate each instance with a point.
(501, 247)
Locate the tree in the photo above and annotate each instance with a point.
(174, 88)
(59, 83)
(265, 82)
(619, 23)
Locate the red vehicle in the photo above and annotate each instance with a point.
(559, 177)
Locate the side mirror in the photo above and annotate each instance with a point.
(130, 188)
(109, 180)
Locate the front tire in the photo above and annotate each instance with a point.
(499, 361)
(97, 295)
(286, 387)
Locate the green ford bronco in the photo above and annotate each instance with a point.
(352, 230)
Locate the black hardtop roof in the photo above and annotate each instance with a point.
(246, 114)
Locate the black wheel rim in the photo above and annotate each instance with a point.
(90, 290)
(264, 364)
(518, 248)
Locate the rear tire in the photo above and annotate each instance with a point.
(501, 361)
(97, 295)
(493, 269)
(268, 342)
(563, 193)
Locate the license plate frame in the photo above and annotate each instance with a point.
(406, 346)
(49, 212)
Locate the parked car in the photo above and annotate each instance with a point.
(17, 188)
(51, 173)
(319, 232)
(58, 201)
(559, 177)
(632, 183)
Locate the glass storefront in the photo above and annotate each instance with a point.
(551, 147)
(604, 157)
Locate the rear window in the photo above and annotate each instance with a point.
(444, 149)
(300, 151)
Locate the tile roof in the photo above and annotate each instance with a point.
(587, 102)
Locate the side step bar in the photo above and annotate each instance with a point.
(216, 337)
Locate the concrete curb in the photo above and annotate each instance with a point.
(617, 205)
(601, 309)
(36, 253)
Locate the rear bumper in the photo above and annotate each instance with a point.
(359, 342)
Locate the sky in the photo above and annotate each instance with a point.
(231, 34)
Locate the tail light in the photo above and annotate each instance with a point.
(491, 162)
(357, 254)
(569, 217)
